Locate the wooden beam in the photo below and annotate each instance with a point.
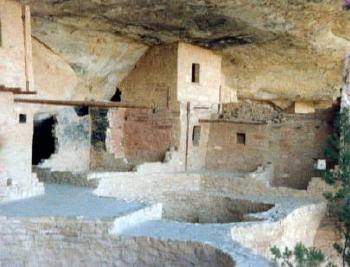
(99, 104)
(16, 91)
(25, 93)
(233, 121)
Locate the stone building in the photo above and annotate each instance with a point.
(16, 121)
(171, 88)
(171, 109)
(197, 138)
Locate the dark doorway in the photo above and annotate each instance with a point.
(44, 142)
(82, 111)
(117, 97)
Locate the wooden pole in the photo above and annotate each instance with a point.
(188, 110)
(16, 91)
(78, 103)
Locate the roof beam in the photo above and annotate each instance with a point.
(99, 104)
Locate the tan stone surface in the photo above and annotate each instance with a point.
(300, 225)
(153, 81)
(272, 49)
(291, 146)
(54, 78)
(12, 50)
(75, 242)
(100, 59)
(208, 88)
(304, 107)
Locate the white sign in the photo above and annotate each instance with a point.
(321, 164)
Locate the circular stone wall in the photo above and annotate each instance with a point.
(62, 241)
(199, 207)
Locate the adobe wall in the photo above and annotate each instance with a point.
(15, 50)
(73, 242)
(208, 88)
(291, 146)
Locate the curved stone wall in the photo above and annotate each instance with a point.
(298, 225)
(73, 242)
(202, 207)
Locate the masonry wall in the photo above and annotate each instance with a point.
(196, 151)
(16, 179)
(291, 146)
(72, 242)
(15, 47)
(300, 225)
(15, 141)
(73, 143)
(208, 88)
(153, 80)
(203, 98)
(147, 135)
(123, 138)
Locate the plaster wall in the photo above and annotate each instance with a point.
(15, 47)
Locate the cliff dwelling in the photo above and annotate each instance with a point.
(168, 133)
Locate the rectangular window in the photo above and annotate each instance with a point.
(22, 118)
(195, 72)
(196, 135)
(241, 138)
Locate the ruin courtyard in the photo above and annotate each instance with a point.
(167, 133)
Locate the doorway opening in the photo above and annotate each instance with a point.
(44, 141)
(117, 97)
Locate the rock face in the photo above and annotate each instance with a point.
(273, 50)
(99, 59)
(54, 78)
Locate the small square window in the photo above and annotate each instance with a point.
(195, 72)
(196, 135)
(22, 118)
(241, 138)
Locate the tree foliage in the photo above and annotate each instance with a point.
(301, 256)
(338, 149)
